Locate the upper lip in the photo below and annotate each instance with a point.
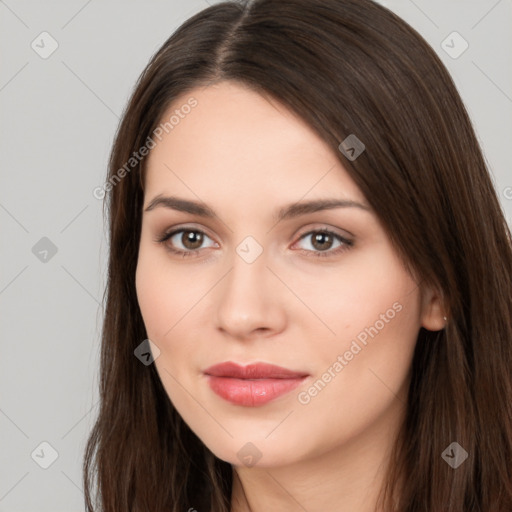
(252, 371)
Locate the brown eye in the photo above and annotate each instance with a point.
(191, 239)
(323, 240)
(185, 242)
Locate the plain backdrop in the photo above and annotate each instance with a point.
(59, 113)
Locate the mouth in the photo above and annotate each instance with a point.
(252, 385)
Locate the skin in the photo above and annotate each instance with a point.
(246, 156)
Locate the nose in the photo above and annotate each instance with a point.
(250, 301)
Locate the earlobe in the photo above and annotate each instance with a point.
(433, 316)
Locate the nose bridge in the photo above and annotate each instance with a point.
(248, 299)
(249, 267)
(246, 283)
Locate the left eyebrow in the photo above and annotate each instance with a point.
(286, 212)
(305, 207)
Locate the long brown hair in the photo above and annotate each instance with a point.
(345, 67)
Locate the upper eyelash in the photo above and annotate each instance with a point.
(347, 243)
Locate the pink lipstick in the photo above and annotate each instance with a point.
(252, 385)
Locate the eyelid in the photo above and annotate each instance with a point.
(187, 227)
(323, 226)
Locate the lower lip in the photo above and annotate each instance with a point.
(252, 392)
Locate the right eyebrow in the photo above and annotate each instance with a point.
(182, 205)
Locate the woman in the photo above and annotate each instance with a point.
(309, 293)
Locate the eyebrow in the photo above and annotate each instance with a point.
(286, 212)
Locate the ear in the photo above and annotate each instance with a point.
(433, 315)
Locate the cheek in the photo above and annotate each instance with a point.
(376, 318)
(167, 294)
(366, 365)
(148, 294)
(157, 294)
(367, 297)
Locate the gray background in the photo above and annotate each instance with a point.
(59, 116)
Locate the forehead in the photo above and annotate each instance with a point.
(235, 140)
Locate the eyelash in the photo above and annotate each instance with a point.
(347, 244)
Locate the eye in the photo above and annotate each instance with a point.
(323, 240)
(190, 239)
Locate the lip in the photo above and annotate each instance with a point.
(252, 385)
(252, 371)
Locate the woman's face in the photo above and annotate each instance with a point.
(338, 310)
